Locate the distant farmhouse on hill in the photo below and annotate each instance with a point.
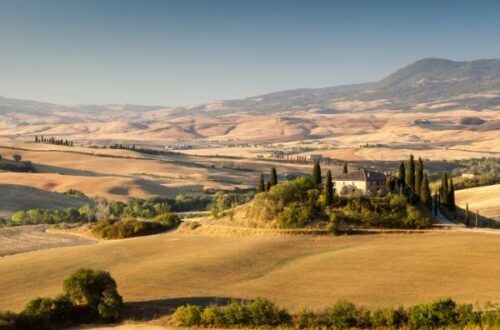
(362, 181)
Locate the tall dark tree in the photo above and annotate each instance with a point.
(425, 192)
(435, 203)
(390, 183)
(444, 192)
(262, 186)
(401, 174)
(268, 185)
(467, 217)
(345, 170)
(316, 175)
(410, 174)
(451, 195)
(419, 175)
(329, 188)
(274, 177)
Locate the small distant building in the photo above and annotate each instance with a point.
(362, 181)
(314, 157)
(468, 175)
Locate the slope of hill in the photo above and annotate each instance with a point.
(485, 199)
(293, 271)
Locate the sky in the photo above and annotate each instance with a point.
(187, 52)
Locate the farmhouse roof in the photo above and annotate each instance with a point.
(360, 175)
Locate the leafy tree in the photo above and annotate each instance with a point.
(425, 192)
(262, 186)
(329, 188)
(451, 195)
(95, 289)
(419, 176)
(345, 170)
(17, 157)
(401, 175)
(274, 177)
(410, 174)
(316, 175)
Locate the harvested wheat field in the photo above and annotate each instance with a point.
(372, 270)
(486, 200)
(14, 240)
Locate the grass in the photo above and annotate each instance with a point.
(293, 271)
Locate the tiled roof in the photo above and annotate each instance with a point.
(360, 175)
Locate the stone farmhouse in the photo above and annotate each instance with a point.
(362, 181)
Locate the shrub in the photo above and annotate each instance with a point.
(187, 316)
(95, 289)
(169, 220)
(118, 229)
(342, 315)
(263, 312)
(294, 216)
(8, 320)
(213, 316)
(439, 313)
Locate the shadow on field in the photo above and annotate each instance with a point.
(153, 309)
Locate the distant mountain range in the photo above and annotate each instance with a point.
(429, 84)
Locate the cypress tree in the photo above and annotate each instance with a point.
(451, 195)
(274, 177)
(390, 183)
(444, 191)
(262, 186)
(316, 175)
(410, 174)
(477, 219)
(425, 193)
(467, 220)
(401, 175)
(329, 188)
(344, 170)
(419, 175)
(435, 203)
(268, 185)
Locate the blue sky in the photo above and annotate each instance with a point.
(183, 52)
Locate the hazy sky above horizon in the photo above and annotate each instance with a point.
(187, 52)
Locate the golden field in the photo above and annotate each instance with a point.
(486, 200)
(293, 271)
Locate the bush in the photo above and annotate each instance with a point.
(342, 315)
(439, 313)
(295, 216)
(95, 289)
(187, 316)
(169, 220)
(263, 312)
(119, 229)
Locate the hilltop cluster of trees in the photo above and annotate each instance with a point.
(16, 164)
(262, 313)
(53, 140)
(411, 181)
(89, 296)
(300, 202)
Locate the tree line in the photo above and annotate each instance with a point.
(53, 140)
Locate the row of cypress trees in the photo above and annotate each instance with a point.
(414, 181)
(53, 140)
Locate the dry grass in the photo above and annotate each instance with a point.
(373, 270)
(486, 200)
(14, 240)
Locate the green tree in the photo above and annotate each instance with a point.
(316, 175)
(345, 170)
(329, 188)
(401, 175)
(410, 174)
(425, 192)
(467, 218)
(268, 185)
(451, 195)
(390, 183)
(262, 186)
(17, 157)
(444, 191)
(274, 177)
(95, 289)
(419, 176)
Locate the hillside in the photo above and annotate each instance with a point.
(485, 199)
(293, 271)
